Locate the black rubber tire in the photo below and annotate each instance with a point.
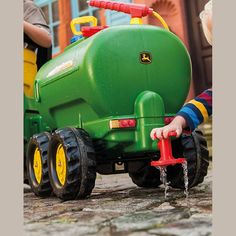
(194, 148)
(40, 141)
(146, 177)
(80, 160)
(25, 176)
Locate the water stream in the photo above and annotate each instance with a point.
(163, 178)
(185, 170)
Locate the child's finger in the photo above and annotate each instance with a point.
(159, 133)
(156, 133)
(166, 131)
(152, 134)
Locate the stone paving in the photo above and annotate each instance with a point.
(120, 208)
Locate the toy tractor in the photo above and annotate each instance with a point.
(94, 105)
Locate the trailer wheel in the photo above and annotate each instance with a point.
(36, 164)
(72, 166)
(146, 177)
(25, 176)
(194, 148)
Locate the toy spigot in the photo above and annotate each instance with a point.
(167, 158)
(137, 11)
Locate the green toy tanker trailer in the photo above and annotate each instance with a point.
(93, 108)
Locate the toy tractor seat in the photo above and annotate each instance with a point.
(35, 57)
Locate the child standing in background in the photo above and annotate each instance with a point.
(199, 109)
(37, 39)
(36, 29)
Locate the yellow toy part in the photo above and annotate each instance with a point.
(139, 21)
(136, 21)
(37, 165)
(30, 70)
(61, 164)
(158, 16)
(82, 20)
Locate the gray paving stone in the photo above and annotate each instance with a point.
(117, 207)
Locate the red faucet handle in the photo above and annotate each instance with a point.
(166, 157)
(170, 134)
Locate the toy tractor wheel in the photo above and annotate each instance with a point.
(72, 166)
(26, 181)
(146, 177)
(194, 148)
(36, 164)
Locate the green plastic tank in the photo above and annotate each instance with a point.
(104, 78)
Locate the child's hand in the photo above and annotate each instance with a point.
(176, 125)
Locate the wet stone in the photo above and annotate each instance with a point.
(147, 220)
(118, 207)
(193, 226)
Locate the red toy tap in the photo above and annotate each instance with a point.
(135, 10)
(166, 158)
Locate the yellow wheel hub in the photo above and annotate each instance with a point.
(37, 165)
(61, 164)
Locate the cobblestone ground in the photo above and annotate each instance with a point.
(118, 207)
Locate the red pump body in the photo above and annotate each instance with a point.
(167, 158)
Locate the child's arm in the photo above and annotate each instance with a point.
(197, 110)
(191, 115)
(38, 35)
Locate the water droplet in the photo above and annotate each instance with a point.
(163, 178)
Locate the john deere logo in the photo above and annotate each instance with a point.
(145, 58)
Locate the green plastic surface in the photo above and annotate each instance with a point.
(106, 80)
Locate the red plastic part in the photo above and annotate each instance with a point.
(135, 10)
(127, 123)
(167, 158)
(122, 123)
(88, 31)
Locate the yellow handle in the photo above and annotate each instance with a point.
(161, 20)
(82, 20)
